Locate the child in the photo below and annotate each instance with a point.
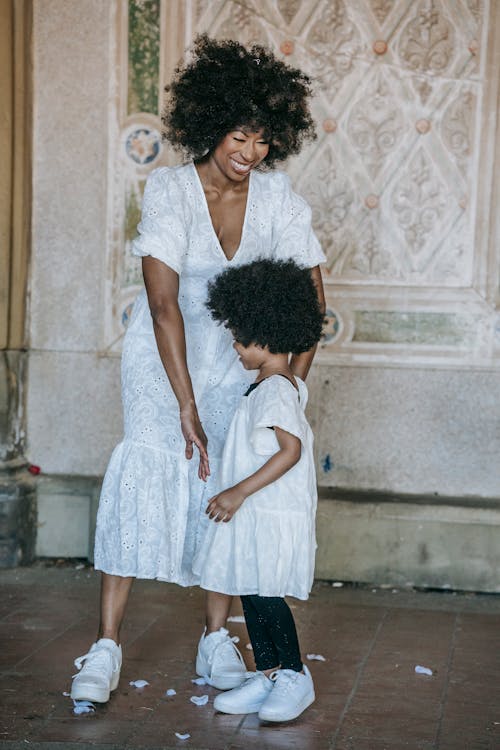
(262, 544)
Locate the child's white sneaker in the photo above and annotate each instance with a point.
(219, 661)
(246, 699)
(292, 693)
(99, 672)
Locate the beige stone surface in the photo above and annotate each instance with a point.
(66, 511)
(74, 411)
(63, 526)
(395, 543)
(405, 430)
(71, 50)
(411, 415)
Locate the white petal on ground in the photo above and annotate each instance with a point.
(139, 683)
(83, 707)
(182, 736)
(199, 700)
(423, 670)
(171, 691)
(200, 681)
(315, 657)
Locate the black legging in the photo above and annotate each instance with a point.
(272, 631)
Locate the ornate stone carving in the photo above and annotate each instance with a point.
(389, 206)
(287, 47)
(331, 197)
(333, 42)
(423, 89)
(426, 42)
(288, 9)
(242, 24)
(419, 202)
(381, 9)
(476, 8)
(456, 128)
(200, 8)
(371, 256)
(423, 126)
(376, 124)
(451, 266)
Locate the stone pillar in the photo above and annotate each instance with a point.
(17, 491)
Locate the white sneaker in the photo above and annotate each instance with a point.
(100, 672)
(292, 693)
(246, 699)
(219, 661)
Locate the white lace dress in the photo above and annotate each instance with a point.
(268, 547)
(151, 519)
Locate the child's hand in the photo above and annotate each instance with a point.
(223, 506)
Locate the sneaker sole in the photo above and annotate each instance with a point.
(288, 716)
(252, 709)
(92, 693)
(225, 681)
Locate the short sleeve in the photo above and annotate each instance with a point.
(275, 404)
(162, 229)
(293, 235)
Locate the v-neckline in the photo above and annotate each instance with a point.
(209, 217)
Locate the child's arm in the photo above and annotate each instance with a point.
(223, 506)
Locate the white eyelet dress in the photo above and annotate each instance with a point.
(269, 545)
(151, 520)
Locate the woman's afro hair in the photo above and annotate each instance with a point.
(225, 86)
(272, 303)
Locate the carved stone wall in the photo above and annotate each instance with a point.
(405, 391)
(400, 178)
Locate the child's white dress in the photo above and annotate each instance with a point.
(268, 547)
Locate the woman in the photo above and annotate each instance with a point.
(232, 111)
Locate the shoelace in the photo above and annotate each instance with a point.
(284, 682)
(95, 660)
(228, 643)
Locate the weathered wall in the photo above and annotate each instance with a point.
(405, 393)
(73, 395)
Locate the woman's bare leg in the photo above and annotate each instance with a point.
(217, 610)
(115, 591)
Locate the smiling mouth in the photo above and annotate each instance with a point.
(240, 168)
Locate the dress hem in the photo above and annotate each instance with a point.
(256, 592)
(141, 577)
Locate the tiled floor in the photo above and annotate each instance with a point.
(368, 695)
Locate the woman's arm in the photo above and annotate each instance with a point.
(223, 506)
(300, 364)
(162, 287)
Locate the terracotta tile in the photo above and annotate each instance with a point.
(368, 696)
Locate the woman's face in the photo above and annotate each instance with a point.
(239, 152)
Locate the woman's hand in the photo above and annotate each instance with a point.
(194, 434)
(223, 506)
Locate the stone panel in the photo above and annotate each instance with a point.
(400, 543)
(71, 53)
(431, 432)
(66, 510)
(74, 411)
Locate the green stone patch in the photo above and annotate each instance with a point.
(435, 329)
(143, 55)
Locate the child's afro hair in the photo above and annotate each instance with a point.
(272, 303)
(225, 86)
